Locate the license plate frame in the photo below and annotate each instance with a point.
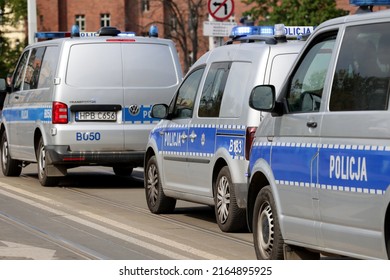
(96, 116)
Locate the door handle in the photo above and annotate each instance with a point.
(311, 124)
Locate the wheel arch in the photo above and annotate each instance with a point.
(37, 137)
(219, 164)
(387, 230)
(257, 182)
(148, 154)
(2, 130)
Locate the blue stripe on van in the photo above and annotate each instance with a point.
(359, 168)
(28, 114)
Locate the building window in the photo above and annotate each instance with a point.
(80, 21)
(145, 6)
(173, 23)
(105, 20)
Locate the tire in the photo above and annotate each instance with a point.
(9, 166)
(267, 237)
(122, 171)
(157, 202)
(45, 180)
(230, 217)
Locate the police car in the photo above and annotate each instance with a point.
(319, 165)
(82, 101)
(199, 150)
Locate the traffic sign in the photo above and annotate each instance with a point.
(220, 9)
(217, 28)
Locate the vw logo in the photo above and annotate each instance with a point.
(134, 110)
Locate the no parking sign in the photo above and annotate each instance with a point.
(220, 9)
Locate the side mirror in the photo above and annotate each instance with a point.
(159, 111)
(262, 98)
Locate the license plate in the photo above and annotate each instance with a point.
(95, 116)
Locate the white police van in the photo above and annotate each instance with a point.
(85, 101)
(199, 150)
(320, 163)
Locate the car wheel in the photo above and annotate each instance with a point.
(267, 237)
(157, 202)
(230, 217)
(9, 166)
(122, 171)
(42, 171)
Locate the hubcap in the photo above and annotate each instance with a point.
(223, 199)
(4, 154)
(266, 230)
(42, 162)
(152, 184)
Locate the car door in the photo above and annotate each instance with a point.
(295, 143)
(176, 134)
(203, 130)
(354, 157)
(11, 116)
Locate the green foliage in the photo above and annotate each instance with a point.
(293, 12)
(16, 11)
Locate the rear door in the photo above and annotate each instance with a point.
(150, 76)
(93, 91)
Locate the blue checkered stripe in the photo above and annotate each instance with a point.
(28, 114)
(205, 140)
(362, 169)
(138, 114)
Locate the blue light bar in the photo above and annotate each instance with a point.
(271, 30)
(126, 34)
(369, 2)
(252, 30)
(75, 31)
(153, 31)
(51, 35)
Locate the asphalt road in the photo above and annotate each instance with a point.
(94, 214)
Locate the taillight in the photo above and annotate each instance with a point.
(59, 113)
(250, 135)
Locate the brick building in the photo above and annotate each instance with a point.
(137, 16)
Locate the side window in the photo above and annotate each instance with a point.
(19, 72)
(33, 68)
(361, 79)
(308, 81)
(214, 86)
(49, 65)
(185, 99)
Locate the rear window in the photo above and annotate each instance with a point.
(100, 65)
(95, 65)
(148, 65)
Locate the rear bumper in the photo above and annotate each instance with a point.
(61, 155)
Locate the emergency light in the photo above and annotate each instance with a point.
(51, 35)
(369, 2)
(153, 31)
(104, 31)
(277, 30)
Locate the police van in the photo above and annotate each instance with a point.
(319, 165)
(85, 101)
(199, 151)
